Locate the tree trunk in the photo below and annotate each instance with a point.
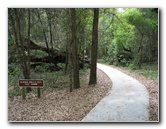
(14, 24)
(24, 57)
(69, 61)
(141, 52)
(83, 47)
(93, 76)
(28, 89)
(70, 69)
(75, 49)
(44, 33)
(50, 26)
(67, 57)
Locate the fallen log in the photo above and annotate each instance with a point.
(55, 60)
(56, 56)
(49, 67)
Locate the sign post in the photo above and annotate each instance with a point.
(38, 92)
(38, 83)
(23, 93)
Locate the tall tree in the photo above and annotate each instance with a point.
(75, 49)
(93, 76)
(13, 19)
(25, 57)
(28, 56)
(16, 15)
(49, 17)
(43, 30)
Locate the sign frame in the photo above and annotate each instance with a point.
(36, 83)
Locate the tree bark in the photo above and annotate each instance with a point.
(83, 47)
(69, 60)
(93, 75)
(14, 24)
(50, 26)
(70, 69)
(44, 33)
(75, 49)
(28, 89)
(141, 53)
(24, 58)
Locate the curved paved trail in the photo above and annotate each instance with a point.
(128, 100)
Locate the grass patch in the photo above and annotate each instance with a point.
(103, 61)
(148, 70)
(52, 79)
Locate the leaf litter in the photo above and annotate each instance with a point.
(60, 104)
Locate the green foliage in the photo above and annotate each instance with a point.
(132, 66)
(84, 71)
(105, 59)
(12, 54)
(14, 69)
(148, 70)
(124, 32)
(14, 74)
(52, 80)
(40, 69)
(13, 90)
(120, 35)
(124, 62)
(45, 67)
(39, 53)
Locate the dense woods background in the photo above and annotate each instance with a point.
(58, 45)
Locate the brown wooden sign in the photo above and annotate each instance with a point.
(31, 82)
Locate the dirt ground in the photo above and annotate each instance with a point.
(152, 87)
(60, 105)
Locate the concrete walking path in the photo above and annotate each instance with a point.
(128, 100)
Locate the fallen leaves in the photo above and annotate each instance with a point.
(60, 105)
